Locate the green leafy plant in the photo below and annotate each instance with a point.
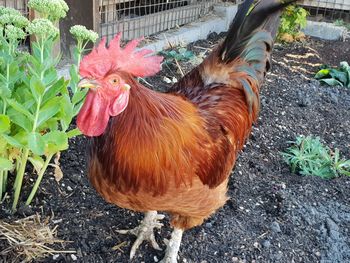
(308, 156)
(179, 54)
(340, 22)
(339, 76)
(293, 19)
(36, 106)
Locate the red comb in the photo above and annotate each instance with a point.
(103, 59)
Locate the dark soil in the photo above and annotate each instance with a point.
(272, 215)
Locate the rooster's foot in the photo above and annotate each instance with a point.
(173, 247)
(145, 231)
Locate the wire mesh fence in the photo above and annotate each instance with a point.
(135, 18)
(327, 10)
(20, 5)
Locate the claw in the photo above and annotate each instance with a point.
(145, 231)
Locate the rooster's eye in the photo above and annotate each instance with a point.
(114, 81)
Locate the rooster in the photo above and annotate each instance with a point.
(174, 151)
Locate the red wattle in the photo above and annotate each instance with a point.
(94, 115)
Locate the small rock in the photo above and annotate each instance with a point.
(303, 100)
(278, 256)
(209, 225)
(275, 227)
(332, 228)
(235, 259)
(55, 257)
(155, 259)
(69, 188)
(74, 257)
(266, 243)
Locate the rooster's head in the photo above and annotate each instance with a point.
(102, 71)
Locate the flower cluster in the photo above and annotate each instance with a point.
(9, 11)
(13, 19)
(42, 27)
(81, 33)
(53, 9)
(14, 33)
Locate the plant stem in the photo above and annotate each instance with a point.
(19, 178)
(38, 180)
(1, 184)
(5, 180)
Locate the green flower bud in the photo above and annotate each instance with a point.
(9, 11)
(54, 9)
(14, 33)
(42, 27)
(16, 20)
(82, 33)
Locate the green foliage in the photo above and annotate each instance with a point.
(308, 156)
(340, 22)
(36, 105)
(180, 54)
(293, 19)
(339, 76)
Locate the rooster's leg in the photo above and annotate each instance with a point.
(173, 246)
(145, 231)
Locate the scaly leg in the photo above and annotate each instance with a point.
(145, 231)
(173, 246)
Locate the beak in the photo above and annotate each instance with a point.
(87, 83)
(126, 87)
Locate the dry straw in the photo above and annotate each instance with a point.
(28, 239)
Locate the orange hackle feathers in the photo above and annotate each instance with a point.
(103, 60)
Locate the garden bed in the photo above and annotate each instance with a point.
(272, 215)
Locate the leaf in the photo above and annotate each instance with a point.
(12, 141)
(37, 162)
(188, 54)
(73, 133)
(172, 53)
(5, 123)
(58, 174)
(66, 111)
(79, 95)
(56, 141)
(37, 87)
(182, 50)
(50, 109)
(36, 143)
(54, 90)
(339, 75)
(13, 68)
(50, 76)
(331, 82)
(73, 71)
(22, 121)
(5, 164)
(20, 108)
(322, 73)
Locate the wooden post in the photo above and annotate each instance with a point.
(81, 12)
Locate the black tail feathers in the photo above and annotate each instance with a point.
(264, 15)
